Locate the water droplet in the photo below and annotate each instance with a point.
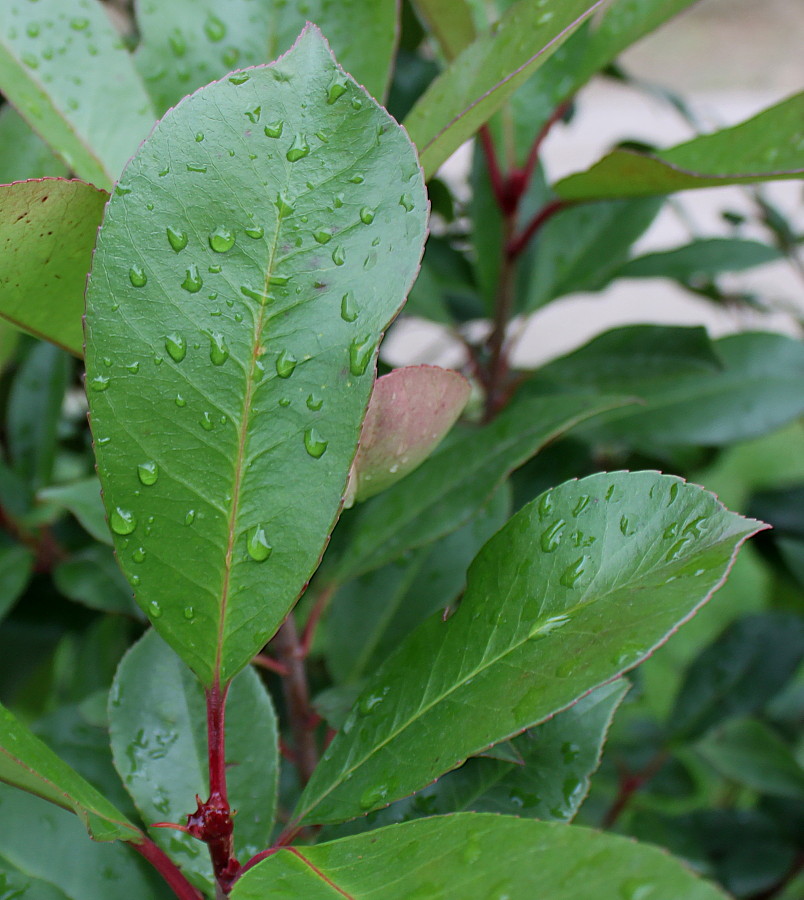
(32, 30)
(314, 402)
(337, 201)
(278, 280)
(551, 538)
(221, 239)
(122, 521)
(257, 544)
(373, 797)
(255, 232)
(676, 550)
(139, 555)
(361, 351)
(357, 179)
(371, 702)
(284, 402)
(196, 167)
(570, 752)
(176, 346)
(284, 205)
(545, 505)
(285, 364)
(79, 24)
(148, 472)
(218, 351)
(336, 89)
(550, 624)
(240, 78)
(349, 307)
(566, 668)
(190, 517)
(274, 129)
(367, 215)
(357, 103)
(673, 493)
(154, 609)
(253, 294)
(180, 401)
(137, 276)
(253, 115)
(99, 383)
(133, 367)
(192, 280)
(339, 256)
(177, 43)
(314, 444)
(695, 528)
(574, 572)
(199, 136)
(214, 28)
(581, 505)
(298, 149)
(636, 889)
(624, 524)
(322, 236)
(206, 422)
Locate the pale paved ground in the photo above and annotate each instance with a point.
(731, 58)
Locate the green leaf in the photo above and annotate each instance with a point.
(23, 154)
(92, 577)
(50, 850)
(474, 857)
(66, 70)
(547, 779)
(34, 407)
(764, 148)
(188, 43)
(159, 740)
(479, 81)
(443, 493)
(25, 762)
(16, 568)
(83, 499)
(552, 609)
(749, 752)
(371, 615)
(410, 411)
(449, 22)
(736, 675)
(701, 259)
(226, 426)
(47, 232)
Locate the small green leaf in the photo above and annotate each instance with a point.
(66, 70)
(410, 411)
(449, 22)
(47, 232)
(92, 577)
(23, 154)
(83, 499)
(26, 763)
(764, 148)
(16, 568)
(456, 480)
(221, 483)
(159, 739)
(581, 585)
(479, 81)
(701, 259)
(474, 857)
(736, 675)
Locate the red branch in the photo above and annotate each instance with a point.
(630, 783)
(163, 864)
(517, 244)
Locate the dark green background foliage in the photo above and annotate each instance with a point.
(480, 692)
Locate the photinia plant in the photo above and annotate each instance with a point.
(468, 633)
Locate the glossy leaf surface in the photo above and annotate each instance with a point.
(243, 321)
(47, 232)
(66, 70)
(25, 762)
(764, 148)
(474, 857)
(579, 586)
(487, 72)
(159, 739)
(456, 480)
(410, 411)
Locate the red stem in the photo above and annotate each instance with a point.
(272, 665)
(630, 783)
(495, 174)
(517, 244)
(163, 864)
(310, 626)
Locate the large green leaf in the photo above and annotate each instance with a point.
(67, 71)
(457, 479)
(47, 232)
(27, 763)
(764, 148)
(487, 72)
(158, 725)
(579, 586)
(474, 857)
(188, 43)
(242, 316)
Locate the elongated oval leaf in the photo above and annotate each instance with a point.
(474, 857)
(241, 315)
(27, 763)
(157, 718)
(579, 586)
(47, 232)
(68, 73)
(704, 258)
(766, 147)
(487, 73)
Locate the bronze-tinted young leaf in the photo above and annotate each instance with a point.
(410, 411)
(578, 587)
(239, 287)
(764, 148)
(474, 857)
(47, 232)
